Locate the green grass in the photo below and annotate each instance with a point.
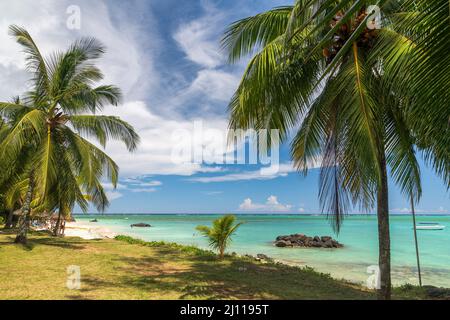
(126, 268)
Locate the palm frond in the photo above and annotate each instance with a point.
(246, 35)
(105, 127)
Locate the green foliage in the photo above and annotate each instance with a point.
(175, 246)
(411, 291)
(219, 235)
(45, 131)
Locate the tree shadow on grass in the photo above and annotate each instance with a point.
(60, 243)
(46, 240)
(204, 277)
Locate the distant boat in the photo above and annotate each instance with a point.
(430, 226)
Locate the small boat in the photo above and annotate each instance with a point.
(430, 226)
(95, 220)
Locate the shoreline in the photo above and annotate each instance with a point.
(350, 271)
(88, 232)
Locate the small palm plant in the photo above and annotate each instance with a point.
(219, 235)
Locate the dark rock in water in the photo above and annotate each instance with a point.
(301, 240)
(336, 244)
(281, 243)
(316, 244)
(95, 220)
(328, 244)
(141, 225)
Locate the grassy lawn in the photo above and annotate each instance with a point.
(130, 269)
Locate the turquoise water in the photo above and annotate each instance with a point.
(359, 236)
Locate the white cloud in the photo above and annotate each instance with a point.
(283, 170)
(144, 190)
(124, 64)
(406, 210)
(143, 183)
(129, 63)
(154, 154)
(132, 185)
(213, 193)
(271, 205)
(216, 84)
(209, 86)
(199, 38)
(109, 186)
(113, 195)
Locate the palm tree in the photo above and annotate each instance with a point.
(11, 172)
(319, 66)
(219, 235)
(52, 121)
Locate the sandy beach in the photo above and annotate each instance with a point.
(88, 231)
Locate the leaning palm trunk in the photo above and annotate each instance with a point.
(384, 242)
(413, 212)
(57, 229)
(9, 219)
(24, 222)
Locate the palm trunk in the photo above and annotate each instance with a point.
(384, 242)
(24, 222)
(58, 225)
(9, 219)
(415, 240)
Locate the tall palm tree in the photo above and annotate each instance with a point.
(319, 66)
(219, 235)
(52, 122)
(11, 172)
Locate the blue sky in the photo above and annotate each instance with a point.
(165, 56)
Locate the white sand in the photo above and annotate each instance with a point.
(88, 231)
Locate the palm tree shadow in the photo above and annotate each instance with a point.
(60, 243)
(53, 241)
(204, 277)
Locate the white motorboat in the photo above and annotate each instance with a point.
(430, 226)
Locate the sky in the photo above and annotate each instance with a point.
(166, 58)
